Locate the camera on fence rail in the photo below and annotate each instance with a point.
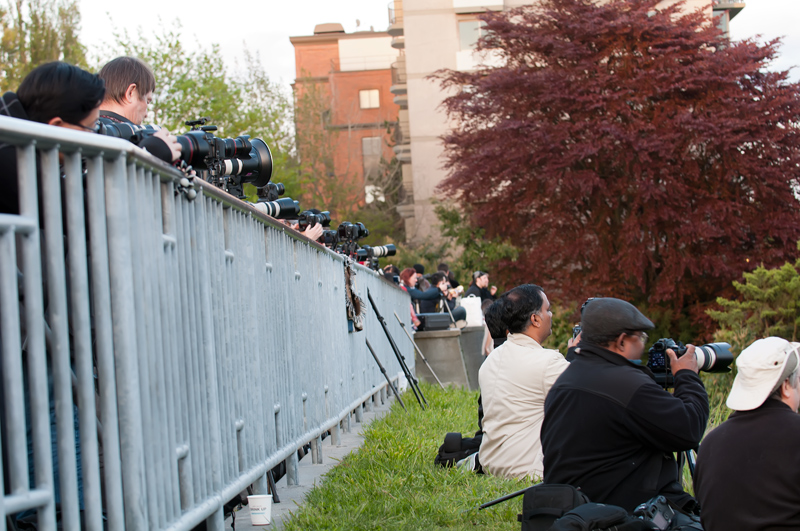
(229, 162)
(713, 357)
(309, 218)
(351, 232)
(344, 240)
(370, 255)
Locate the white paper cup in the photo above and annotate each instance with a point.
(260, 509)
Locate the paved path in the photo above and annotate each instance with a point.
(310, 474)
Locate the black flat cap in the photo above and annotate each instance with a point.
(611, 317)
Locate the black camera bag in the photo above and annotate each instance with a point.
(543, 504)
(599, 516)
(457, 447)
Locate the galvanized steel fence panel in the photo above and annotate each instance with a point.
(183, 347)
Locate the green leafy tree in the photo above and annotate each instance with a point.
(34, 32)
(470, 248)
(769, 305)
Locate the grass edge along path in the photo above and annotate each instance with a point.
(391, 483)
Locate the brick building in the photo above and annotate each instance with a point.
(342, 89)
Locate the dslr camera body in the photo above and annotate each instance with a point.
(712, 357)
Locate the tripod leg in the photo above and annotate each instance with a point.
(400, 358)
(421, 355)
(388, 380)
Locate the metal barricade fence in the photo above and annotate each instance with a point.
(174, 349)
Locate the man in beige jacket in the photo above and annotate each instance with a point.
(514, 382)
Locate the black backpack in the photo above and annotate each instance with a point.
(456, 447)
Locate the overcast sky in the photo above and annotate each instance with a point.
(266, 25)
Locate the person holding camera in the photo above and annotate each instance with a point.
(130, 84)
(514, 381)
(747, 476)
(609, 428)
(439, 281)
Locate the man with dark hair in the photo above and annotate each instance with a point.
(747, 468)
(130, 85)
(54, 93)
(439, 281)
(480, 287)
(514, 382)
(609, 428)
(451, 279)
(422, 282)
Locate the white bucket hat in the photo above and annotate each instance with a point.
(762, 367)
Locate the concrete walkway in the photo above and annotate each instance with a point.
(311, 474)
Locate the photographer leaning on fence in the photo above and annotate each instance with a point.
(747, 468)
(609, 428)
(54, 93)
(130, 84)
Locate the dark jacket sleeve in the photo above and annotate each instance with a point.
(427, 295)
(670, 422)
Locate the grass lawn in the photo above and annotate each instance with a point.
(391, 482)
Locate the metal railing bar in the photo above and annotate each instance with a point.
(81, 331)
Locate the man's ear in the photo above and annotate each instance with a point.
(620, 342)
(786, 388)
(130, 97)
(534, 321)
(57, 121)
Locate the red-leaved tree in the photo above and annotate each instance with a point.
(628, 150)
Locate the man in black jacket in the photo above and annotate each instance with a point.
(609, 428)
(748, 468)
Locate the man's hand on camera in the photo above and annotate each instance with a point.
(687, 361)
(493, 290)
(313, 233)
(573, 341)
(171, 141)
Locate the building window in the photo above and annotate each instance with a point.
(370, 99)
(469, 31)
(371, 148)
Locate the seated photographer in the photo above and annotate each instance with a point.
(439, 281)
(609, 428)
(514, 381)
(747, 476)
(129, 90)
(54, 93)
(422, 282)
(408, 279)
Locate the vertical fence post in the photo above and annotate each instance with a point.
(124, 328)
